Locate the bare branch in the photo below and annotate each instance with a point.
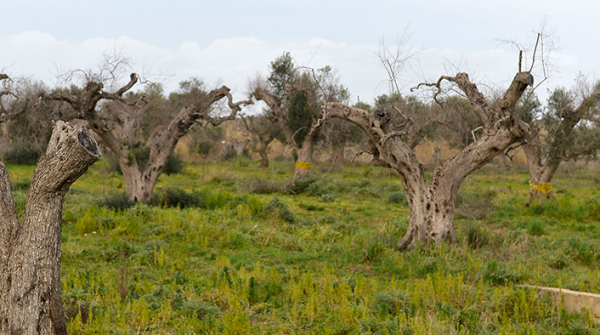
(235, 108)
(390, 135)
(118, 95)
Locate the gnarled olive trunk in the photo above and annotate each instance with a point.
(560, 147)
(139, 185)
(262, 151)
(30, 291)
(305, 153)
(432, 205)
(540, 175)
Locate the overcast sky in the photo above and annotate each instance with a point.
(229, 41)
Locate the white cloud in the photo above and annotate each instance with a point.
(233, 61)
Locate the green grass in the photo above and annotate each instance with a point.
(254, 253)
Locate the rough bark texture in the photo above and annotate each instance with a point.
(141, 180)
(30, 301)
(262, 151)
(432, 206)
(542, 169)
(263, 129)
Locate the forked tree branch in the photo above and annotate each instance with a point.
(235, 108)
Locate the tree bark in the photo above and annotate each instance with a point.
(305, 150)
(432, 205)
(262, 150)
(31, 291)
(141, 180)
(542, 171)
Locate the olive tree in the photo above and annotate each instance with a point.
(127, 116)
(432, 204)
(293, 97)
(266, 131)
(561, 134)
(30, 252)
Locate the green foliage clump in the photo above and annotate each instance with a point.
(176, 197)
(583, 251)
(141, 155)
(536, 228)
(261, 186)
(301, 185)
(116, 201)
(499, 274)
(22, 154)
(475, 236)
(328, 197)
(393, 303)
(398, 198)
(279, 209)
(201, 309)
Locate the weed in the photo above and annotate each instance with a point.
(260, 186)
(499, 274)
(398, 198)
(475, 236)
(115, 201)
(327, 197)
(279, 209)
(536, 228)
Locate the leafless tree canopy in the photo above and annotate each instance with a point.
(120, 122)
(432, 205)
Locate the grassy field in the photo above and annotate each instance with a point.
(248, 252)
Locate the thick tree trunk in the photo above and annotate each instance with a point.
(432, 205)
(262, 151)
(139, 185)
(542, 172)
(31, 291)
(337, 154)
(305, 153)
(431, 217)
(240, 148)
(304, 161)
(540, 182)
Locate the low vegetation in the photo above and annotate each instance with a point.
(234, 249)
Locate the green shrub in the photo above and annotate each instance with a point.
(176, 197)
(536, 228)
(398, 198)
(260, 186)
(174, 165)
(317, 188)
(280, 210)
(393, 303)
(201, 309)
(475, 236)
(475, 205)
(116, 201)
(311, 207)
(327, 198)
(301, 185)
(583, 251)
(23, 154)
(499, 274)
